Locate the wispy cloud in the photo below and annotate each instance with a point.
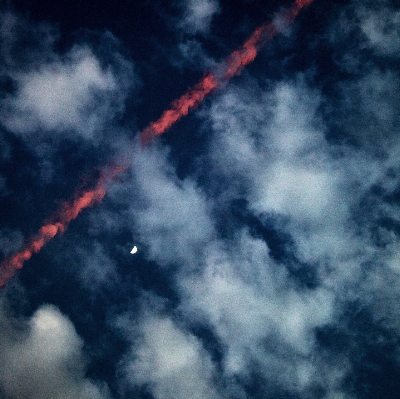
(198, 14)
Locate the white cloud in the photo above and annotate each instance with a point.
(76, 93)
(269, 147)
(198, 15)
(275, 147)
(260, 319)
(274, 143)
(169, 361)
(61, 96)
(295, 190)
(43, 359)
(196, 18)
(170, 215)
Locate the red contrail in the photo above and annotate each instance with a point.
(233, 65)
(193, 97)
(58, 223)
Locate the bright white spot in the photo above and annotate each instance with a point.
(134, 250)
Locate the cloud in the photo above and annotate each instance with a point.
(43, 358)
(198, 15)
(193, 24)
(170, 215)
(273, 153)
(77, 93)
(192, 54)
(263, 324)
(168, 361)
(66, 95)
(271, 148)
(55, 97)
(381, 27)
(59, 106)
(273, 144)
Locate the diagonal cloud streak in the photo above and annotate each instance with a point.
(180, 107)
(58, 223)
(233, 66)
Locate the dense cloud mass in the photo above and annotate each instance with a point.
(267, 221)
(43, 358)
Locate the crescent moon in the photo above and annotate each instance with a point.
(134, 250)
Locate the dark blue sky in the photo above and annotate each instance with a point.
(266, 221)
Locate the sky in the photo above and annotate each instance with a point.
(266, 221)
